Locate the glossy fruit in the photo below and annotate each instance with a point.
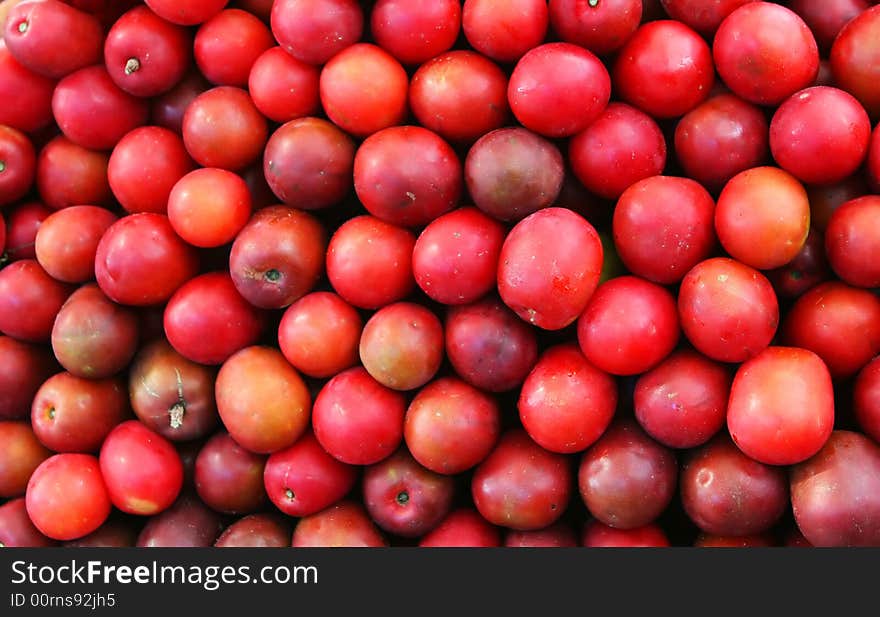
(146, 55)
(808, 268)
(223, 128)
(93, 337)
(67, 241)
(208, 207)
(32, 91)
(262, 400)
(701, 16)
(852, 244)
(52, 38)
(226, 46)
(414, 31)
(319, 334)
(724, 492)
(16, 528)
(363, 89)
(781, 408)
(721, 137)
(597, 534)
(629, 326)
(504, 31)
(601, 27)
(401, 346)
(256, 531)
(356, 419)
(682, 402)
(404, 498)
(143, 471)
(820, 135)
(277, 256)
(455, 258)
(873, 162)
(73, 414)
(728, 311)
(521, 485)
(186, 523)
(228, 478)
(308, 163)
(460, 95)
(189, 14)
(450, 426)
(170, 394)
(135, 272)
(21, 455)
(489, 346)
(626, 479)
(23, 369)
(282, 87)
(558, 89)
(71, 175)
(866, 400)
(407, 175)
(463, 527)
(29, 301)
(211, 337)
(558, 241)
(67, 497)
(659, 243)
(345, 523)
(149, 151)
(116, 532)
(22, 223)
(566, 403)
(622, 146)
(839, 323)
(369, 262)
(664, 69)
(520, 273)
(90, 93)
(763, 217)
(765, 52)
(18, 163)
(313, 31)
(848, 465)
(854, 55)
(303, 479)
(512, 172)
(167, 110)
